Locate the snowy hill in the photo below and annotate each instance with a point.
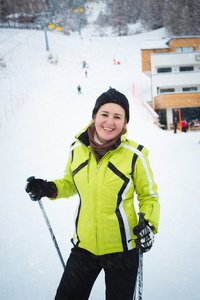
(40, 112)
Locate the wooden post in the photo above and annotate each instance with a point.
(143, 104)
(179, 110)
(153, 115)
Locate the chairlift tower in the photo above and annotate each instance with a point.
(78, 9)
(44, 18)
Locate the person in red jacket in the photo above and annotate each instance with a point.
(184, 125)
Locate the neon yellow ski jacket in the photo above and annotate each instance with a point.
(106, 215)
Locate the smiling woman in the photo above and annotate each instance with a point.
(105, 169)
(110, 116)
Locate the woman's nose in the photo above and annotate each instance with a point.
(110, 121)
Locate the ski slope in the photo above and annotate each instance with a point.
(34, 140)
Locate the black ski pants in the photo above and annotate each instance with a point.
(83, 268)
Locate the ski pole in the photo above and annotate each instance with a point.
(51, 233)
(139, 280)
(140, 275)
(49, 226)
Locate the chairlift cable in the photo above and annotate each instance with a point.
(9, 37)
(18, 45)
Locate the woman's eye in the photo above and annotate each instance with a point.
(104, 115)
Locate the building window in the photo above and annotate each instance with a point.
(197, 57)
(171, 90)
(184, 49)
(186, 69)
(164, 70)
(190, 89)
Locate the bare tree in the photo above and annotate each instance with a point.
(184, 25)
(195, 17)
(133, 9)
(118, 16)
(152, 13)
(2, 11)
(181, 17)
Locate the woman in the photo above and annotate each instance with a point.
(104, 169)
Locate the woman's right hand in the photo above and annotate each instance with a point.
(38, 188)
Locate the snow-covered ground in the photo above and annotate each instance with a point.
(34, 140)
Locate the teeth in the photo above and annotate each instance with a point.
(108, 129)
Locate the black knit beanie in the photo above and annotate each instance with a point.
(112, 96)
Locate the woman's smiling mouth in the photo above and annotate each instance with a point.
(108, 129)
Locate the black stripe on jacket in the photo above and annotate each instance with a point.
(119, 200)
(80, 167)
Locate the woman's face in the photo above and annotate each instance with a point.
(109, 121)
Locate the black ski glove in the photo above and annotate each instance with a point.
(38, 188)
(145, 236)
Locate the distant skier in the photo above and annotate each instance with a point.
(85, 73)
(84, 64)
(79, 89)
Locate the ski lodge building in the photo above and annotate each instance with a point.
(174, 68)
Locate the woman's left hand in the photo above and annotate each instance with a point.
(145, 236)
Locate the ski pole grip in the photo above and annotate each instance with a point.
(142, 219)
(31, 178)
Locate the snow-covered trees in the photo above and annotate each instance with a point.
(181, 17)
(118, 11)
(152, 13)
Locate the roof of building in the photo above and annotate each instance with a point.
(183, 37)
(163, 43)
(155, 44)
